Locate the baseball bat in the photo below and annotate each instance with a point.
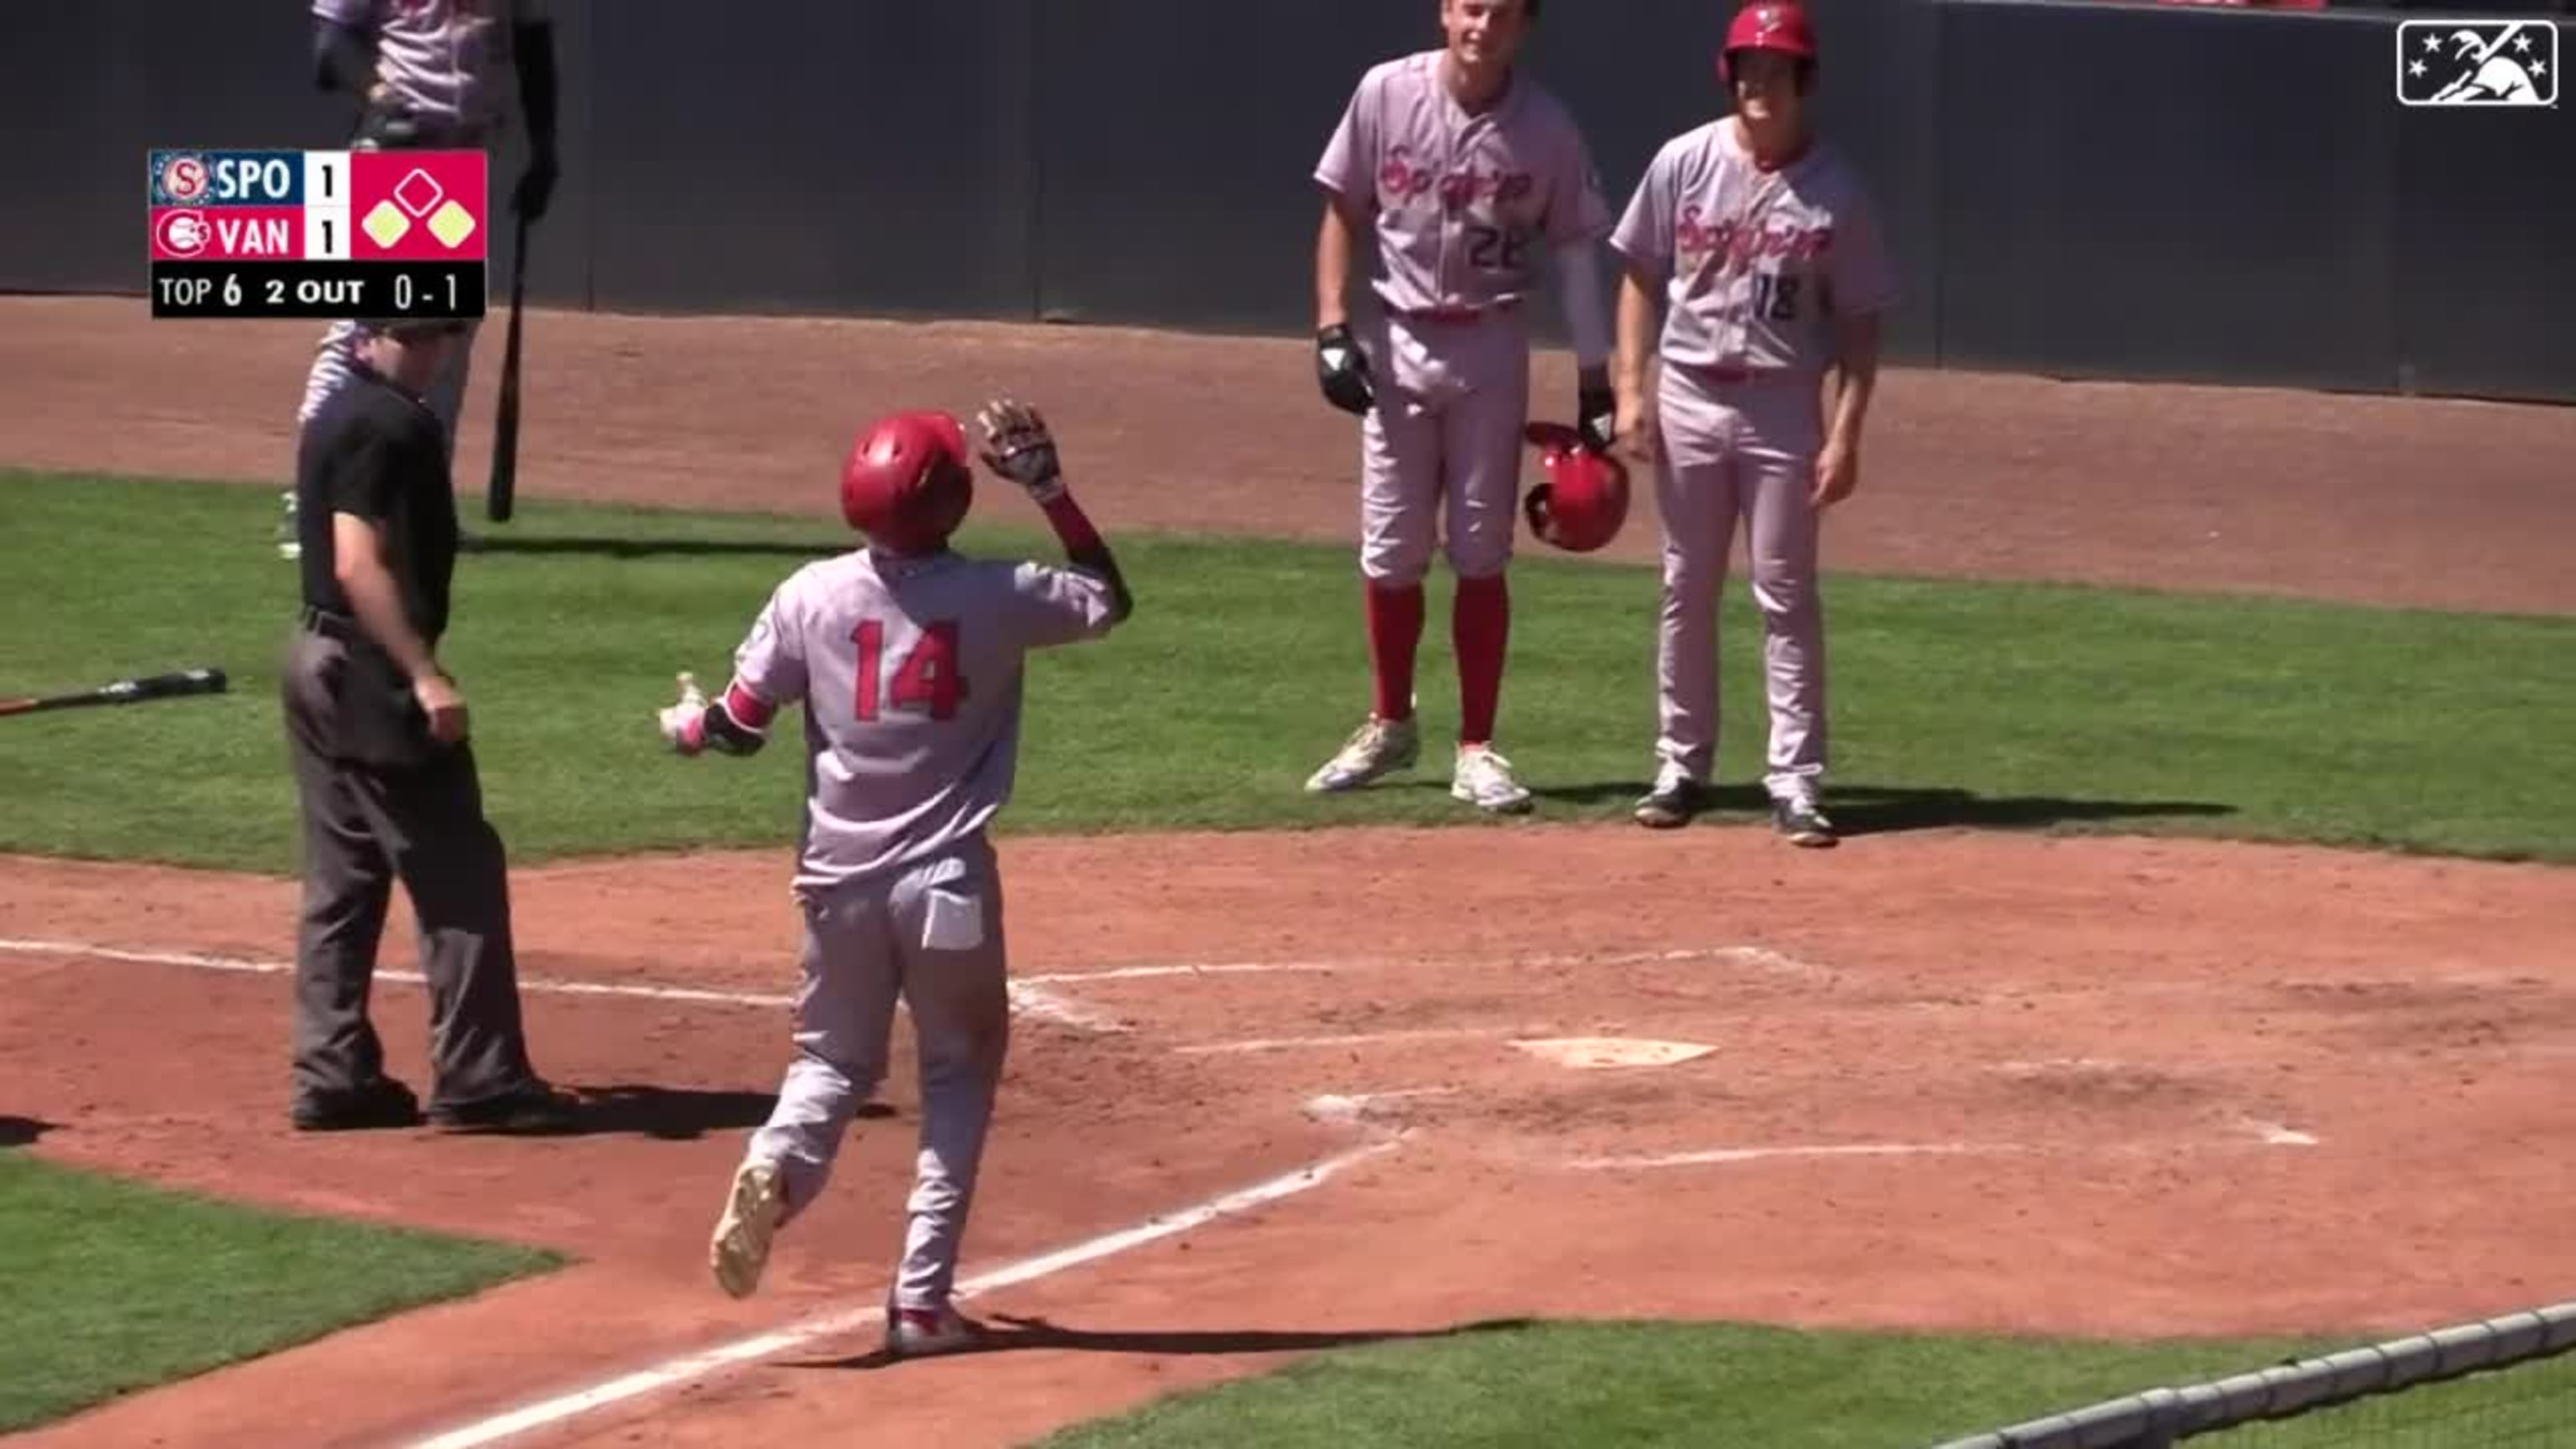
(174, 685)
(502, 496)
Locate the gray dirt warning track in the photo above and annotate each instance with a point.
(2435, 503)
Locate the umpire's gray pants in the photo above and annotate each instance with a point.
(366, 826)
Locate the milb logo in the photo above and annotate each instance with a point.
(2477, 63)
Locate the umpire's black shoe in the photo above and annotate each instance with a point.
(535, 1107)
(1803, 822)
(382, 1103)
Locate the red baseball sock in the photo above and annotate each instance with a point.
(1395, 632)
(1480, 627)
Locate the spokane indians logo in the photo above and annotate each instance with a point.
(182, 178)
(2477, 63)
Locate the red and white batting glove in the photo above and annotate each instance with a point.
(684, 724)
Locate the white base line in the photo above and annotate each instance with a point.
(1357, 1038)
(681, 1370)
(1720, 1155)
(1031, 999)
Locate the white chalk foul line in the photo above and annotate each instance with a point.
(1717, 1156)
(1030, 998)
(1356, 1038)
(748, 1350)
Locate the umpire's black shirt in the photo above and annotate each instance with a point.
(378, 452)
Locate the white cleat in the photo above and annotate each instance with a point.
(740, 1248)
(1484, 780)
(1375, 750)
(924, 1332)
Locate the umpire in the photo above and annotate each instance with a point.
(378, 735)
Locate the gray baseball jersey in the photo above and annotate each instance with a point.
(1756, 263)
(446, 60)
(1468, 207)
(910, 674)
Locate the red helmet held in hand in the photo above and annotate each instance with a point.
(1584, 501)
(908, 481)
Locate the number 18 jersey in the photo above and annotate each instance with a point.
(1755, 263)
(910, 674)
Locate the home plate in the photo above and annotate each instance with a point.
(1584, 1052)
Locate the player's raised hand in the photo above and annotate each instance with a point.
(1344, 370)
(1018, 446)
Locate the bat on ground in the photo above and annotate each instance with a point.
(502, 496)
(124, 691)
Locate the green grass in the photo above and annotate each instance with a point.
(1629, 1385)
(114, 1287)
(2040, 706)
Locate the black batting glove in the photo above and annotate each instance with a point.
(1343, 370)
(1596, 409)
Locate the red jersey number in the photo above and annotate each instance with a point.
(925, 681)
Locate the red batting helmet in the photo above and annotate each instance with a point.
(1585, 498)
(908, 481)
(1780, 25)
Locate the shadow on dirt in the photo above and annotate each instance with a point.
(23, 1131)
(671, 1114)
(1886, 809)
(1005, 1333)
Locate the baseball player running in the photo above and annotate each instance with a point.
(908, 660)
(1474, 178)
(1765, 247)
(434, 75)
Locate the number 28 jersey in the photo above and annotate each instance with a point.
(910, 674)
(1755, 263)
(1468, 206)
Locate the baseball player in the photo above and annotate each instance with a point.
(1475, 179)
(434, 75)
(907, 658)
(1764, 246)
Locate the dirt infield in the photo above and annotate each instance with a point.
(2446, 504)
(1949, 1080)
(2086, 1086)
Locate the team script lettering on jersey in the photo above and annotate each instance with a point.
(1756, 263)
(1467, 205)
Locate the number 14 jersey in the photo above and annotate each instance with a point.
(910, 674)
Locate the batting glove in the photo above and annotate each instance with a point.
(1596, 409)
(684, 724)
(1344, 370)
(1018, 446)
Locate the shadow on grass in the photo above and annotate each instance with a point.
(22, 1131)
(483, 543)
(1004, 1333)
(1885, 809)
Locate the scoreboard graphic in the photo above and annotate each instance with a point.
(319, 234)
